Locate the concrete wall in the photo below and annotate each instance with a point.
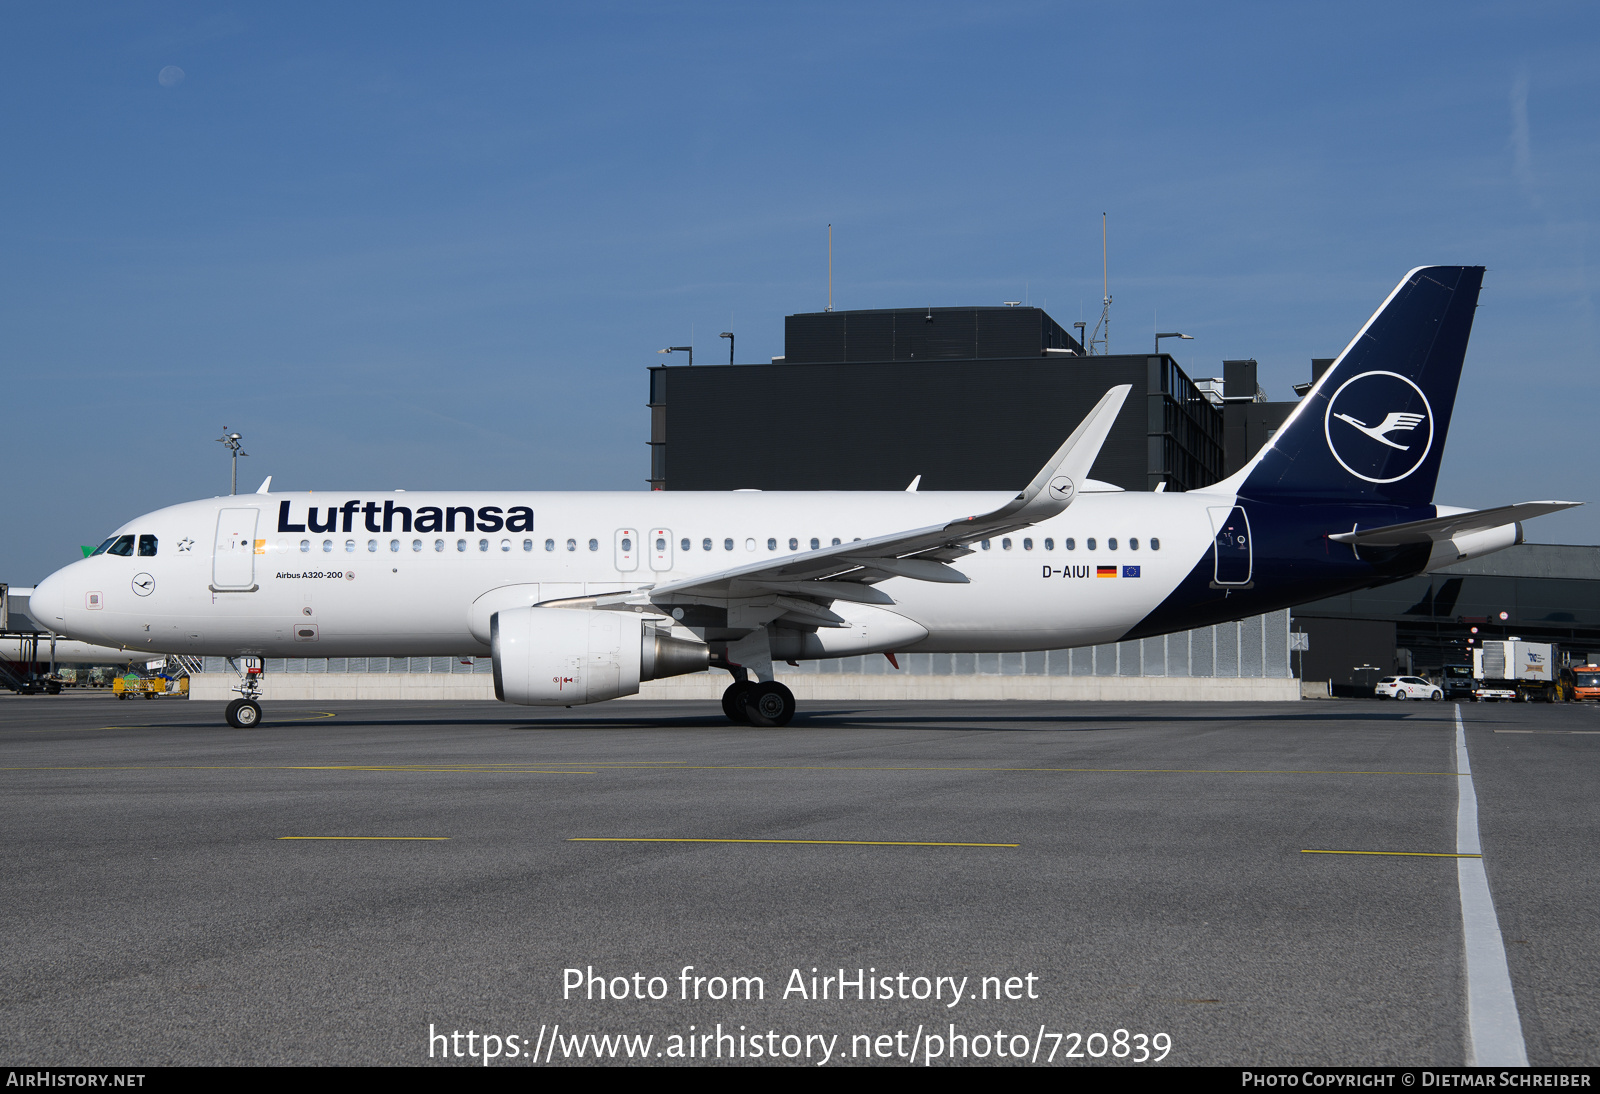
(708, 686)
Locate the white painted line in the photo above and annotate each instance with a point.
(1494, 1029)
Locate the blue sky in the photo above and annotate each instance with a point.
(437, 246)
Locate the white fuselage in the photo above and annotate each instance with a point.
(353, 591)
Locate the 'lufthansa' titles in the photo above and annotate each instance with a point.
(384, 517)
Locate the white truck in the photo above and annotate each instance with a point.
(1516, 670)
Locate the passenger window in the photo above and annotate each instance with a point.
(627, 544)
(705, 544)
(1133, 544)
(1005, 543)
(750, 544)
(103, 548)
(438, 545)
(1027, 545)
(772, 544)
(123, 547)
(372, 546)
(594, 545)
(483, 545)
(416, 545)
(549, 545)
(816, 544)
(984, 544)
(305, 546)
(1049, 544)
(1155, 544)
(661, 543)
(147, 546)
(394, 546)
(684, 545)
(461, 545)
(1111, 544)
(1089, 543)
(794, 544)
(327, 546)
(349, 546)
(1070, 544)
(836, 541)
(505, 545)
(572, 545)
(727, 545)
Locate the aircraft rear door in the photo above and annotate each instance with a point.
(1231, 548)
(233, 562)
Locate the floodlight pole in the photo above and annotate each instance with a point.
(234, 445)
(728, 334)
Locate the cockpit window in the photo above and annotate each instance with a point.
(123, 546)
(103, 548)
(147, 546)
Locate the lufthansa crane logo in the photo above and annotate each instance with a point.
(1379, 426)
(1061, 488)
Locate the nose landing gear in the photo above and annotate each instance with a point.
(243, 714)
(245, 711)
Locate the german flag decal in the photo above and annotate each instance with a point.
(1105, 571)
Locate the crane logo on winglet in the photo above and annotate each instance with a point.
(1404, 425)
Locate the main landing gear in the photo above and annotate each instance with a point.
(769, 704)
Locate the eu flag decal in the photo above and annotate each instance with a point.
(1130, 571)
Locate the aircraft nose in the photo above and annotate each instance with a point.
(48, 602)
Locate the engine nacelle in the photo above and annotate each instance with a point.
(567, 657)
(1474, 545)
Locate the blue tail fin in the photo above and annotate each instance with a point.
(1373, 427)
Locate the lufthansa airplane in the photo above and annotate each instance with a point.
(580, 596)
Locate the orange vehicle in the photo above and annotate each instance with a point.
(1586, 681)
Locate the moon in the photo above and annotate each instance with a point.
(171, 76)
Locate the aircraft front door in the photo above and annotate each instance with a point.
(233, 562)
(1231, 548)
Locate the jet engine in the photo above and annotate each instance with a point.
(563, 657)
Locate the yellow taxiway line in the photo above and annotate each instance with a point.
(829, 842)
(413, 839)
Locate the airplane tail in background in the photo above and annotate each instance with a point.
(1373, 428)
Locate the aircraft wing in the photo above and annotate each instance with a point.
(1442, 528)
(808, 581)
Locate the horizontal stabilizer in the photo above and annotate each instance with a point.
(1443, 528)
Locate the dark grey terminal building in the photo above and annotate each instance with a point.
(968, 398)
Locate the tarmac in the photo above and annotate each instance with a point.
(1090, 867)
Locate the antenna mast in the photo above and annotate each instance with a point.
(1102, 329)
(830, 267)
